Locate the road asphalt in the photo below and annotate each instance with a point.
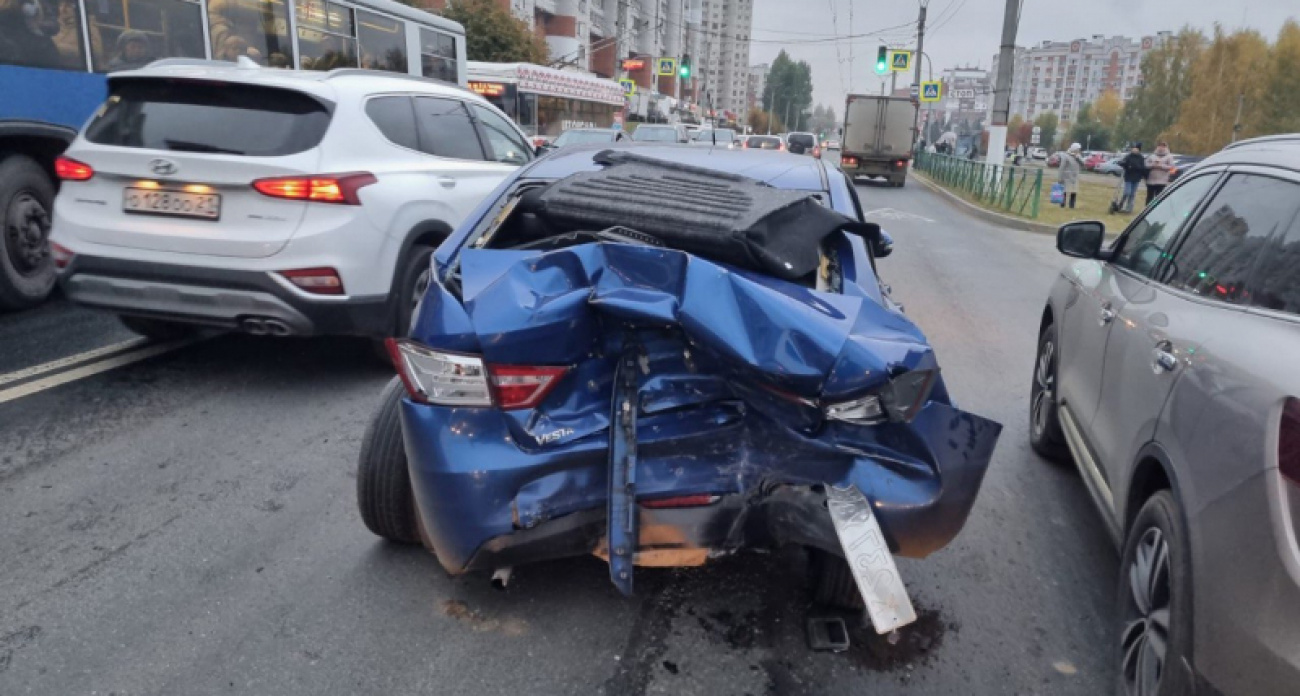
(187, 525)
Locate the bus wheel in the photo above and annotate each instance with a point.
(26, 198)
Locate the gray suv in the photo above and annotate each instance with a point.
(1169, 369)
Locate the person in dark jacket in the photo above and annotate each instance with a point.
(1135, 172)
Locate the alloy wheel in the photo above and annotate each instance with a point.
(1145, 637)
(26, 227)
(421, 286)
(1044, 388)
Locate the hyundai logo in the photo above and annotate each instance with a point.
(162, 167)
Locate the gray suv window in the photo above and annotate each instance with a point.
(1218, 258)
(1276, 283)
(445, 129)
(1148, 240)
(395, 119)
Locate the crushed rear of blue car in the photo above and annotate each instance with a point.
(659, 356)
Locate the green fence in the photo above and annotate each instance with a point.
(1016, 190)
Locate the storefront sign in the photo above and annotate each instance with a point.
(631, 64)
(558, 83)
(488, 89)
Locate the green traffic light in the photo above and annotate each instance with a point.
(684, 71)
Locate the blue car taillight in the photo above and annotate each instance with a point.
(456, 379)
(438, 377)
(899, 400)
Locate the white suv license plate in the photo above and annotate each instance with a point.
(868, 555)
(205, 206)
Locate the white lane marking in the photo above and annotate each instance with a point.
(94, 368)
(71, 360)
(891, 214)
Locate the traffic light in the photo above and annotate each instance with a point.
(882, 61)
(684, 70)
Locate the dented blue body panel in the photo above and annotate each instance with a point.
(728, 370)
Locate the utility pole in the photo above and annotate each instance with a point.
(1002, 88)
(916, 80)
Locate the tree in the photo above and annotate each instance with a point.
(1281, 106)
(1089, 131)
(757, 120)
(493, 34)
(789, 90)
(1047, 123)
(1107, 109)
(1166, 83)
(1231, 69)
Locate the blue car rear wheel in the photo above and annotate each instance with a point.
(384, 496)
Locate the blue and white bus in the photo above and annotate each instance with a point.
(54, 55)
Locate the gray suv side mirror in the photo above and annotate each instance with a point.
(1081, 239)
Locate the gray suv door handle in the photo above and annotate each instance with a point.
(1162, 358)
(1107, 315)
(447, 182)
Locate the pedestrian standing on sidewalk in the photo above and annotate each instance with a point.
(1071, 165)
(1135, 172)
(1159, 165)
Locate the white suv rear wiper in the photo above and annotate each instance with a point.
(187, 146)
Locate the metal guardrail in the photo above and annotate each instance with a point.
(1016, 190)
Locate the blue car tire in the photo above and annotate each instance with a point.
(384, 495)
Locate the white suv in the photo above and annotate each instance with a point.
(273, 201)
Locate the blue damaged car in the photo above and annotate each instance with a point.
(659, 356)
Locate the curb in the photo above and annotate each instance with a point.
(983, 213)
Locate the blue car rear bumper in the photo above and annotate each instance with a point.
(486, 502)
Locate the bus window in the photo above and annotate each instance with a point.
(128, 34)
(383, 42)
(258, 29)
(41, 34)
(326, 35)
(438, 55)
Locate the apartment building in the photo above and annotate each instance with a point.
(621, 38)
(757, 83)
(1061, 76)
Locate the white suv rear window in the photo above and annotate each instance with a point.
(188, 116)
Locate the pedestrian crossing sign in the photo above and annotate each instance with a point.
(900, 60)
(667, 67)
(629, 86)
(931, 91)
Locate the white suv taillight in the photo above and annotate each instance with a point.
(321, 188)
(454, 379)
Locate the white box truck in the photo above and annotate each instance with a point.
(877, 137)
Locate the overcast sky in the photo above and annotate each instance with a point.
(968, 32)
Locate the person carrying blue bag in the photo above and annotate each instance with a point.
(1071, 165)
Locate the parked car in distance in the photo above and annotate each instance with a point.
(1111, 167)
(1167, 370)
(1038, 153)
(1054, 160)
(715, 137)
(1182, 163)
(585, 136)
(1092, 161)
(208, 194)
(659, 133)
(681, 367)
(764, 142)
(802, 144)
